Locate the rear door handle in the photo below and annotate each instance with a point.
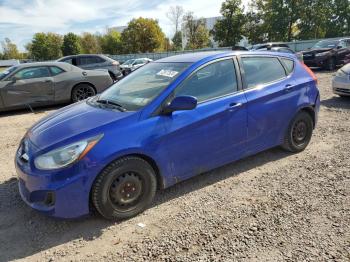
(48, 81)
(234, 106)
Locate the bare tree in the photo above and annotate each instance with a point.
(175, 15)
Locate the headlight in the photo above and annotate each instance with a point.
(322, 54)
(66, 155)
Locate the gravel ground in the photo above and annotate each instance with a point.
(273, 206)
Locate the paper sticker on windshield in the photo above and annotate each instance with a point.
(167, 73)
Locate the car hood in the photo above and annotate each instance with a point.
(317, 50)
(72, 121)
(346, 69)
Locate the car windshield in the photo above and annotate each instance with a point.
(326, 44)
(129, 62)
(7, 72)
(142, 86)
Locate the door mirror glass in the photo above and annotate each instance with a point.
(181, 103)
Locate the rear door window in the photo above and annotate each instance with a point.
(56, 70)
(88, 60)
(262, 70)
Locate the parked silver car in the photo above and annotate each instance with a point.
(132, 64)
(341, 81)
(35, 84)
(91, 62)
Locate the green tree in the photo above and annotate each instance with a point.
(142, 35)
(71, 44)
(10, 50)
(229, 30)
(280, 17)
(339, 19)
(314, 19)
(254, 28)
(90, 44)
(196, 32)
(111, 42)
(45, 46)
(177, 41)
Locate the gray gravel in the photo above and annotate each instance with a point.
(273, 206)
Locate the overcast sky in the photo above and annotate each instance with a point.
(20, 19)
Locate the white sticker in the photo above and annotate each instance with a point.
(167, 73)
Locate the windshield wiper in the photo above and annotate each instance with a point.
(112, 103)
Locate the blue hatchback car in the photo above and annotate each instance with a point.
(168, 121)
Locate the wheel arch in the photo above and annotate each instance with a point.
(311, 111)
(160, 180)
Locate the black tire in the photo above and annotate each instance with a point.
(331, 64)
(299, 133)
(124, 189)
(82, 91)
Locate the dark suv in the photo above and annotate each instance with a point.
(92, 62)
(327, 53)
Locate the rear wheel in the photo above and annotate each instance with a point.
(299, 133)
(124, 189)
(82, 91)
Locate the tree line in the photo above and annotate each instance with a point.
(260, 21)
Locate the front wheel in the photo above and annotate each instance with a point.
(124, 189)
(299, 133)
(331, 64)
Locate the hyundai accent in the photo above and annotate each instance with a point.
(168, 121)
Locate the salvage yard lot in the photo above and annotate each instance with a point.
(268, 207)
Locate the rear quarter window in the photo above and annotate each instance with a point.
(288, 64)
(262, 70)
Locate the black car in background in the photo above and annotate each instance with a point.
(327, 53)
(93, 62)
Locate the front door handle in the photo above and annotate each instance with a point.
(48, 81)
(288, 88)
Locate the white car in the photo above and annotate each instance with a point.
(132, 64)
(341, 81)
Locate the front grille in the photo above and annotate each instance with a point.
(343, 90)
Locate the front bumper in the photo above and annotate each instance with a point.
(315, 61)
(68, 198)
(341, 85)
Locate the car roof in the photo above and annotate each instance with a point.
(82, 55)
(60, 64)
(210, 55)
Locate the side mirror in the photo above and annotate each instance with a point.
(181, 103)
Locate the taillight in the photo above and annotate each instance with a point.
(312, 74)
